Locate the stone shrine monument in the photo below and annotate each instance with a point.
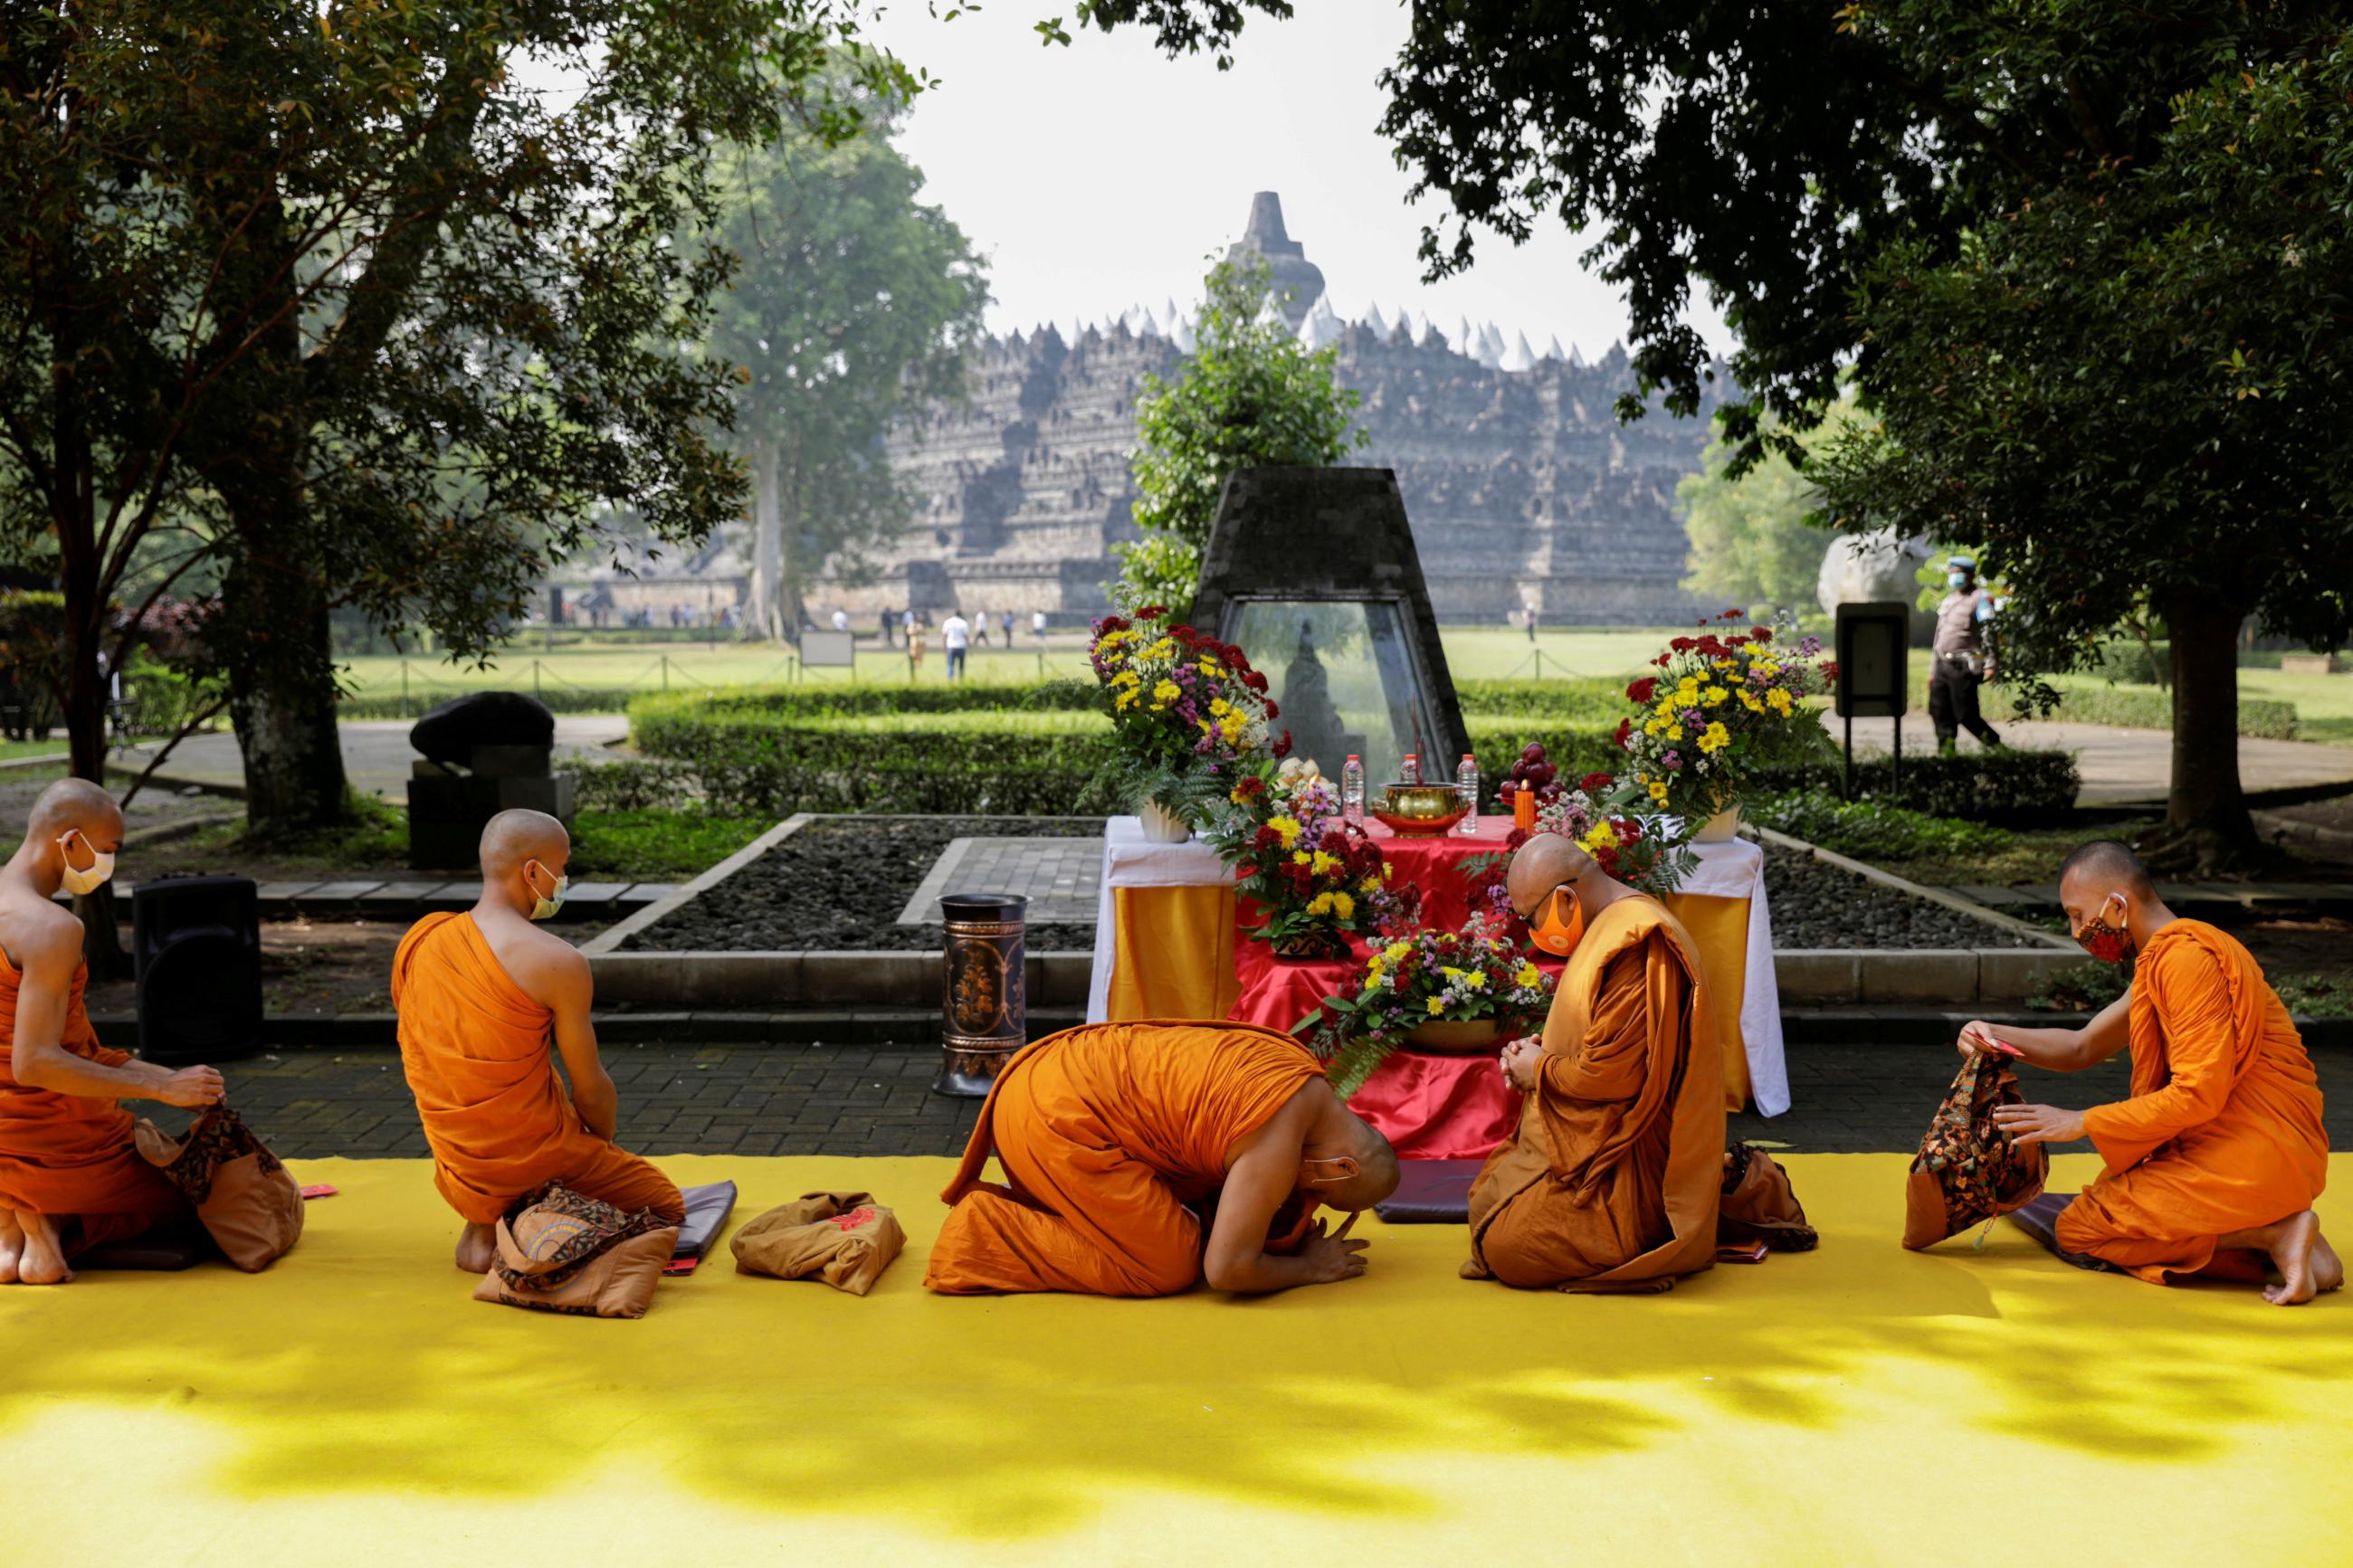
(480, 755)
(1314, 573)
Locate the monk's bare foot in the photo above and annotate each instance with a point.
(2328, 1268)
(478, 1249)
(2292, 1244)
(12, 1248)
(43, 1259)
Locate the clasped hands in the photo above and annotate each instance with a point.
(1518, 1060)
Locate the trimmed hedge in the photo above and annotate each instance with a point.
(2007, 784)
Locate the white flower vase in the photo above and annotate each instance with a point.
(1720, 827)
(1161, 826)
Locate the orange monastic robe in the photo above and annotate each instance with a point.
(1611, 1181)
(479, 1058)
(67, 1155)
(1105, 1133)
(2222, 1131)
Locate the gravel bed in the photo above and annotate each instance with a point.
(1816, 905)
(837, 886)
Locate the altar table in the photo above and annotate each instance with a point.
(1160, 950)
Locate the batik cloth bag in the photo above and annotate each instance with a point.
(561, 1252)
(1759, 1205)
(244, 1198)
(846, 1239)
(1968, 1169)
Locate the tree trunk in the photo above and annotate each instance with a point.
(283, 708)
(767, 605)
(2206, 811)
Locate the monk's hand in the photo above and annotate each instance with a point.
(2039, 1123)
(1519, 1062)
(192, 1087)
(1977, 1038)
(1334, 1256)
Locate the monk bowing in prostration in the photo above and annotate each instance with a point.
(2212, 1164)
(1611, 1183)
(69, 1176)
(480, 996)
(1116, 1140)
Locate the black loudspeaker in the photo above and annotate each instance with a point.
(197, 943)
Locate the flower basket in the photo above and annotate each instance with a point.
(1458, 990)
(1188, 715)
(1724, 704)
(1317, 876)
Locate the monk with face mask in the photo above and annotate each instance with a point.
(69, 1176)
(481, 996)
(2212, 1164)
(1611, 1181)
(1143, 1158)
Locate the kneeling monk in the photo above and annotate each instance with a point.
(1111, 1134)
(1611, 1181)
(69, 1176)
(478, 995)
(2213, 1163)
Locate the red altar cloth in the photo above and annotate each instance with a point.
(1428, 1107)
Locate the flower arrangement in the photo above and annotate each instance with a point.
(1723, 704)
(1188, 713)
(1614, 823)
(1424, 977)
(1317, 876)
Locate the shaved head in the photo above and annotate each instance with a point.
(2108, 864)
(76, 806)
(1376, 1164)
(1542, 864)
(512, 837)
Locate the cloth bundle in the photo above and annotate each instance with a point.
(846, 1239)
(247, 1203)
(562, 1252)
(1968, 1169)
(1759, 1205)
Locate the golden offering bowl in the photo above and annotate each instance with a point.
(1412, 810)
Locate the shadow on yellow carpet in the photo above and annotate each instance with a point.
(1860, 1403)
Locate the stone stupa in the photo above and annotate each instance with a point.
(1298, 282)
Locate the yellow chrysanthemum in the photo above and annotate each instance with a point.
(1448, 973)
(1715, 739)
(1287, 828)
(1529, 978)
(1369, 885)
(1343, 905)
(1436, 1006)
(1320, 904)
(1603, 836)
(1299, 858)
(1476, 980)
(1395, 950)
(1166, 691)
(1659, 791)
(1713, 697)
(1780, 702)
(1324, 861)
(1674, 731)
(1748, 700)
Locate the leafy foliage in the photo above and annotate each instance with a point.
(1751, 541)
(1250, 396)
(2008, 784)
(1870, 830)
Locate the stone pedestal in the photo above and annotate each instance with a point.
(447, 811)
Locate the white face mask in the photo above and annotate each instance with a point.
(544, 907)
(102, 867)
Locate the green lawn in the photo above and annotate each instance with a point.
(2323, 703)
(1472, 653)
(54, 746)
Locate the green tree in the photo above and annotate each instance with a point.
(856, 310)
(1250, 396)
(330, 305)
(1751, 542)
(2091, 292)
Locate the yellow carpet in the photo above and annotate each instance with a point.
(1859, 1404)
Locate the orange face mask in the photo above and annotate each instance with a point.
(1550, 932)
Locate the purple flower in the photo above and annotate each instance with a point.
(1673, 759)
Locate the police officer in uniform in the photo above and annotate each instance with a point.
(1959, 662)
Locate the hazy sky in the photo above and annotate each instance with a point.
(1102, 175)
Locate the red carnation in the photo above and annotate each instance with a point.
(1252, 787)
(1595, 783)
(1642, 689)
(1266, 838)
(1760, 634)
(1830, 670)
(1683, 645)
(1731, 615)
(1255, 682)
(1625, 728)
(1151, 612)
(1282, 744)
(1274, 713)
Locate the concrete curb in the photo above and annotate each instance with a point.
(51, 761)
(1916, 975)
(768, 980)
(609, 941)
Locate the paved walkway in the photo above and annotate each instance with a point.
(376, 753)
(2126, 764)
(869, 1099)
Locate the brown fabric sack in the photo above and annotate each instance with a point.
(1968, 1169)
(561, 1252)
(846, 1239)
(244, 1198)
(1759, 1205)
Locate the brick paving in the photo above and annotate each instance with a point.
(877, 1100)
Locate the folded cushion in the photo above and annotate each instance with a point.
(1430, 1192)
(707, 1208)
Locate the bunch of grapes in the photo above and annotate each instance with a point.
(1530, 771)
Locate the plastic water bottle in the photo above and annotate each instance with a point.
(1466, 779)
(1352, 788)
(1409, 771)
